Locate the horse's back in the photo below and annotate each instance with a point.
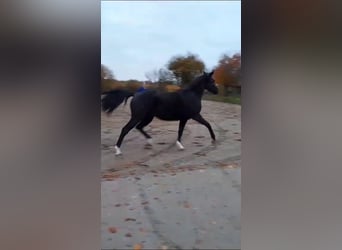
(143, 103)
(166, 106)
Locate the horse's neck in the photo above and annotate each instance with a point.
(198, 89)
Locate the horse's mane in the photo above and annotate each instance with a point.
(195, 82)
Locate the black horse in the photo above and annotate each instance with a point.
(179, 106)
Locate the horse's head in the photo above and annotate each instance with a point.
(209, 83)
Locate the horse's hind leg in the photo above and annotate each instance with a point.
(202, 121)
(109, 111)
(142, 124)
(180, 133)
(131, 124)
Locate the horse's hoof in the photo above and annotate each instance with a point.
(149, 142)
(179, 145)
(117, 151)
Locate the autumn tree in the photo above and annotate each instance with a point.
(185, 68)
(228, 72)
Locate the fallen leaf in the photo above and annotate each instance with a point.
(231, 166)
(144, 203)
(130, 219)
(143, 164)
(128, 235)
(186, 204)
(198, 241)
(137, 247)
(200, 154)
(110, 176)
(112, 230)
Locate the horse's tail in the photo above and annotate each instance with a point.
(113, 99)
(130, 94)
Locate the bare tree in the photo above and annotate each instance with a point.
(166, 76)
(152, 75)
(106, 73)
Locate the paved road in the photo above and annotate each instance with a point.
(162, 198)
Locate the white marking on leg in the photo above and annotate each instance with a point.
(179, 145)
(117, 150)
(150, 141)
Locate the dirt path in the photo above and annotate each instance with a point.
(163, 198)
(224, 118)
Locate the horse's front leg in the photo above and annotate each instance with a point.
(202, 121)
(180, 133)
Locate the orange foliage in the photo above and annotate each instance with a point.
(172, 88)
(227, 73)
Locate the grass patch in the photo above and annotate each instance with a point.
(226, 99)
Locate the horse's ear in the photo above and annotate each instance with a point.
(211, 73)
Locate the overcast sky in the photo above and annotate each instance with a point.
(140, 36)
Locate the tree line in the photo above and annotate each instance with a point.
(179, 71)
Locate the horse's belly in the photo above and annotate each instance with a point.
(175, 112)
(168, 117)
